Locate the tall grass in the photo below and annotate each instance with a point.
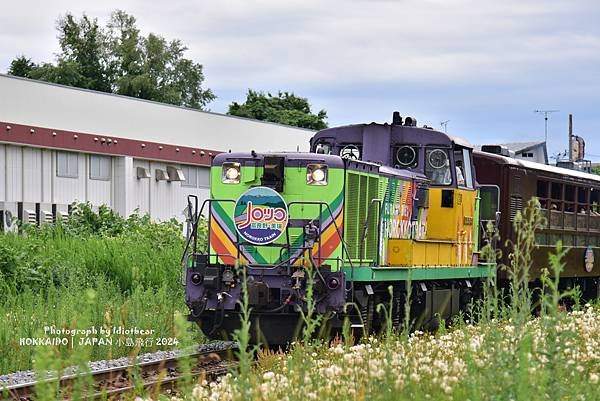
(26, 314)
(509, 355)
(97, 270)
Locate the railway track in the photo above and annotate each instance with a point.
(113, 382)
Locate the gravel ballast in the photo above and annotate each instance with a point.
(29, 376)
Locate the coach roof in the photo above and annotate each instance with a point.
(537, 166)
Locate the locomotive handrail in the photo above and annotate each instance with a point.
(193, 218)
(319, 219)
(337, 229)
(199, 213)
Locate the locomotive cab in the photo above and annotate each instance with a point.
(449, 217)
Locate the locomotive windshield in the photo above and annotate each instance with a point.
(323, 148)
(407, 156)
(437, 166)
(350, 152)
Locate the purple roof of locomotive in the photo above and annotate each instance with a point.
(378, 140)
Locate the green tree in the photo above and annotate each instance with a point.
(118, 59)
(21, 67)
(285, 108)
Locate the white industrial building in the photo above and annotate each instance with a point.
(60, 145)
(532, 151)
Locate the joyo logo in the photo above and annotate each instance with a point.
(260, 215)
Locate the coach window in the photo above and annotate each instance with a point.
(490, 199)
(568, 239)
(569, 198)
(556, 195)
(542, 193)
(582, 200)
(100, 167)
(595, 201)
(67, 164)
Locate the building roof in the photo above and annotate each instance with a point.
(42, 114)
(519, 147)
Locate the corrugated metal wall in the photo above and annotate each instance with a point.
(30, 175)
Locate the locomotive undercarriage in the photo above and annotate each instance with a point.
(276, 297)
(588, 289)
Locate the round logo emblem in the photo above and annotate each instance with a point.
(260, 215)
(589, 259)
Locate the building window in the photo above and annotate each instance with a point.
(100, 167)
(67, 164)
(195, 177)
(527, 154)
(191, 176)
(203, 177)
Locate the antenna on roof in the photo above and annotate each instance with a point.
(444, 125)
(545, 113)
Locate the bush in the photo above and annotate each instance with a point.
(126, 268)
(130, 252)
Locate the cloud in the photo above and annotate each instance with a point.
(485, 65)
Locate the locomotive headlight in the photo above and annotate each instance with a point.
(231, 173)
(316, 174)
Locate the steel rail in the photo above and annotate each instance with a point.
(115, 381)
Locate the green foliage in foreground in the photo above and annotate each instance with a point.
(92, 245)
(96, 270)
(77, 306)
(495, 360)
(508, 355)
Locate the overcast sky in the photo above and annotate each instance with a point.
(483, 65)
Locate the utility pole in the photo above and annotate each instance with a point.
(545, 113)
(444, 125)
(570, 137)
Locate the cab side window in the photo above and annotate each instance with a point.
(464, 172)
